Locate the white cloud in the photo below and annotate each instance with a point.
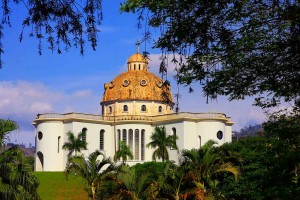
(41, 106)
(21, 101)
(82, 93)
(257, 116)
(25, 97)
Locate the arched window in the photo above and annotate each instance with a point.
(139, 66)
(110, 109)
(143, 108)
(130, 139)
(174, 135)
(119, 138)
(101, 146)
(84, 133)
(58, 143)
(143, 144)
(134, 66)
(136, 144)
(40, 161)
(125, 108)
(199, 139)
(159, 109)
(124, 136)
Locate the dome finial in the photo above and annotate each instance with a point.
(137, 44)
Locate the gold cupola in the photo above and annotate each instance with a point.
(137, 85)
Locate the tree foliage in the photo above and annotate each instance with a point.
(62, 24)
(6, 126)
(133, 183)
(16, 176)
(91, 170)
(269, 162)
(124, 152)
(204, 168)
(161, 142)
(234, 48)
(74, 144)
(250, 130)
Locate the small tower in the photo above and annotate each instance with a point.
(137, 61)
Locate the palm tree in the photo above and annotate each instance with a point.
(74, 143)
(16, 178)
(161, 141)
(133, 184)
(123, 152)
(170, 182)
(204, 166)
(91, 170)
(6, 126)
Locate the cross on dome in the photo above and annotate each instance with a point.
(137, 44)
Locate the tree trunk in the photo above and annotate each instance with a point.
(93, 191)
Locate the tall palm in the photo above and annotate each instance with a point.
(161, 141)
(91, 170)
(74, 144)
(205, 164)
(123, 152)
(16, 178)
(6, 126)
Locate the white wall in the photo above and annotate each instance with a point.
(48, 146)
(208, 131)
(187, 131)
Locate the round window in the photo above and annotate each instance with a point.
(219, 135)
(159, 83)
(40, 135)
(111, 84)
(143, 82)
(126, 83)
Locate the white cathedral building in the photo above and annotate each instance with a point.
(133, 104)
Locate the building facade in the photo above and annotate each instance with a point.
(133, 104)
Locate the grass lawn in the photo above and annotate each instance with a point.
(55, 186)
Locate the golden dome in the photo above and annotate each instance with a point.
(137, 57)
(137, 85)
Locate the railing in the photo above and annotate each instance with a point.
(207, 115)
(68, 116)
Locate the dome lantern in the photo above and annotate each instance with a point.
(137, 61)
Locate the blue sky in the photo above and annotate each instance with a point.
(32, 84)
